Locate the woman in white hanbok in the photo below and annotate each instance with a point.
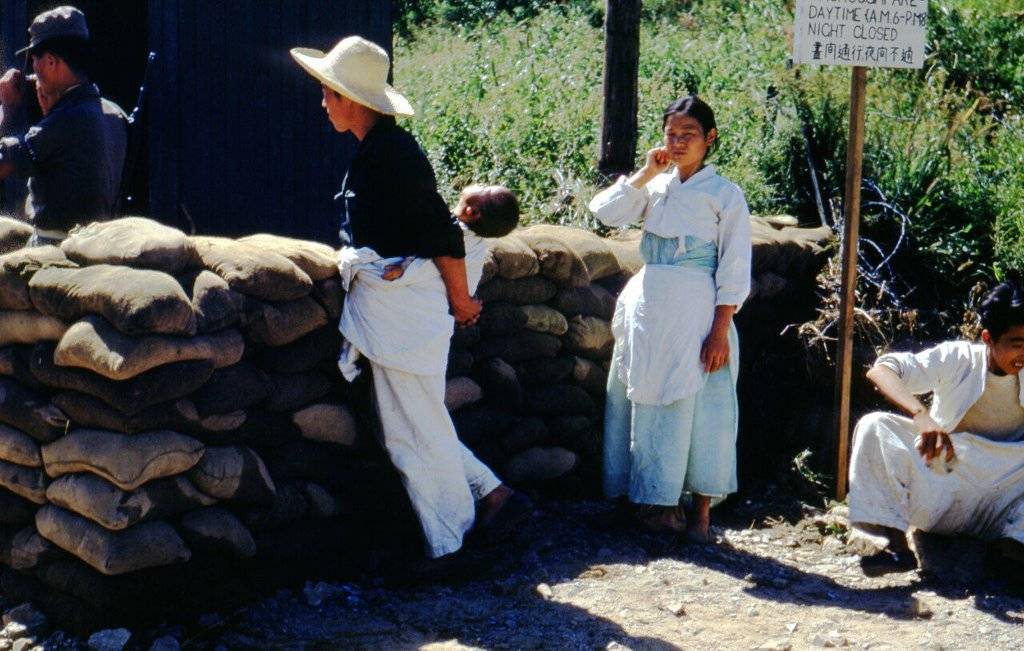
(671, 413)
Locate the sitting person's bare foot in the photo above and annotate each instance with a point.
(882, 549)
(661, 519)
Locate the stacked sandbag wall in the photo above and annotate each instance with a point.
(166, 399)
(527, 383)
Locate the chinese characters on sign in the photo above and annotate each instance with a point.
(869, 33)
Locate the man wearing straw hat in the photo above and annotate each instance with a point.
(74, 157)
(391, 208)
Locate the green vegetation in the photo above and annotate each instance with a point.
(510, 91)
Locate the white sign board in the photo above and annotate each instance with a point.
(869, 33)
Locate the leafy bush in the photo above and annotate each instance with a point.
(511, 92)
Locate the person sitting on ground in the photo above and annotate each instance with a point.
(958, 466)
(484, 210)
(73, 158)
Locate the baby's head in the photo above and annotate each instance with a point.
(488, 210)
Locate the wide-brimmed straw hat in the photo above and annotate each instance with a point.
(358, 69)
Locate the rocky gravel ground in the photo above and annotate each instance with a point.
(569, 581)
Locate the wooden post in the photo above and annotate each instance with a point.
(621, 64)
(851, 229)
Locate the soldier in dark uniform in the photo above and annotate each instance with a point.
(73, 158)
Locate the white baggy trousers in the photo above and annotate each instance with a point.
(442, 477)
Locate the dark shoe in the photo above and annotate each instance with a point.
(516, 509)
(661, 519)
(888, 561)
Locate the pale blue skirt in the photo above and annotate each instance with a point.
(654, 454)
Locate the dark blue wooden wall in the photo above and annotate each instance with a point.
(238, 140)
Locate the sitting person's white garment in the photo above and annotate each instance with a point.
(403, 327)
(981, 492)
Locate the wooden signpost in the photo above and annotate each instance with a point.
(862, 34)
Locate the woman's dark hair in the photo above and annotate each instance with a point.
(697, 109)
(75, 52)
(1003, 308)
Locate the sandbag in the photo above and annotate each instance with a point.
(252, 270)
(25, 410)
(518, 347)
(14, 234)
(460, 362)
(303, 354)
(461, 391)
(279, 324)
(86, 411)
(589, 337)
(597, 256)
(257, 428)
(524, 291)
(289, 505)
(126, 460)
(592, 300)
(14, 509)
(20, 448)
(590, 376)
(500, 384)
(17, 268)
(28, 327)
(234, 473)
(232, 388)
(213, 530)
(327, 423)
(541, 318)
(112, 508)
(625, 246)
(15, 362)
(319, 261)
(500, 318)
(577, 433)
(558, 261)
(149, 544)
(466, 336)
(537, 465)
(161, 384)
(320, 501)
(527, 433)
(482, 429)
(214, 303)
(94, 344)
(135, 301)
(555, 400)
(330, 295)
(130, 241)
(294, 390)
(29, 483)
(513, 258)
(27, 549)
(305, 460)
(489, 269)
(545, 371)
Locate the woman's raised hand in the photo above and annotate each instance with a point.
(657, 161)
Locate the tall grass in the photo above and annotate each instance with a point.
(510, 91)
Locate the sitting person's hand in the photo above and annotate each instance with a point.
(466, 311)
(933, 439)
(392, 272)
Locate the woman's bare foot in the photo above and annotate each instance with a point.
(661, 519)
(699, 529)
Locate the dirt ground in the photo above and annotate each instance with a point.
(570, 582)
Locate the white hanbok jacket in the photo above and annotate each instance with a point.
(666, 311)
(953, 370)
